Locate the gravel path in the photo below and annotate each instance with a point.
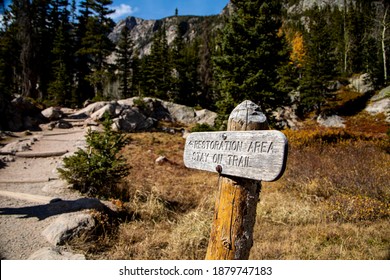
(27, 186)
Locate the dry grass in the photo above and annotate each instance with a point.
(332, 202)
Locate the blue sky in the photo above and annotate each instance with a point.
(157, 9)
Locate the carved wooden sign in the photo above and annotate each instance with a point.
(257, 154)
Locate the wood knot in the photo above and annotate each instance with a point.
(226, 244)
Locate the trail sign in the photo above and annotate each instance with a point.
(246, 154)
(258, 155)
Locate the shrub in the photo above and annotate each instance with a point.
(352, 208)
(97, 169)
(200, 127)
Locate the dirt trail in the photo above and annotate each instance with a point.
(27, 185)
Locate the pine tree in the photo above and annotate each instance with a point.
(158, 69)
(319, 66)
(249, 55)
(61, 86)
(95, 44)
(22, 23)
(185, 61)
(124, 62)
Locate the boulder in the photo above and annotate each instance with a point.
(362, 83)
(132, 120)
(55, 253)
(380, 103)
(109, 109)
(89, 110)
(180, 113)
(286, 117)
(64, 124)
(68, 226)
(22, 114)
(331, 121)
(52, 113)
(205, 116)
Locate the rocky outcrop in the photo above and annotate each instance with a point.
(132, 120)
(143, 114)
(22, 114)
(361, 83)
(380, 103)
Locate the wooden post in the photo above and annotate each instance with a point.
(235, 209)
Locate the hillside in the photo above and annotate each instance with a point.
(274, 57)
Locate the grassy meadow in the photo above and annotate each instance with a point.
(333, 202)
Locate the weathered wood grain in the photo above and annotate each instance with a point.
(257, 155)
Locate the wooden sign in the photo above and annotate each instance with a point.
(259, 155)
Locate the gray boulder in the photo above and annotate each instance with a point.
(362, 83)
(89, 110)
(52, 113)
(109, 109)
(206, 116)
(331, 121)
(55, 253)
(180, 113)
(380, 103)
(68, 226)
(132, 120)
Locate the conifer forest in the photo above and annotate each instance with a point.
(57, 52)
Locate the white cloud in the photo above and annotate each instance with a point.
(122, 10)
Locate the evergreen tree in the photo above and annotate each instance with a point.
(22, 23)
(158, 69)
(124, 62)
(61, 86)
(9, 59)
(185, 61)
(319, 66)
(83, 89)
(95, 44)
(249, 56)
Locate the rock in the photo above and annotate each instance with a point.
(132, 120)
(109, 109)
(380, 103)
(161, 160)
(52, 113)
(90, 122)
(362, 83)
(286, 117)
(67, 111)
(205, 116)
(331, 121)
(22, 114)
(49, 253)
(89, 110)
(8, 158)
(64, 124)
(18, 146)
(68, 226)
(180, 113)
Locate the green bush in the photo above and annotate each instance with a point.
(200, 127)
(97, 170)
